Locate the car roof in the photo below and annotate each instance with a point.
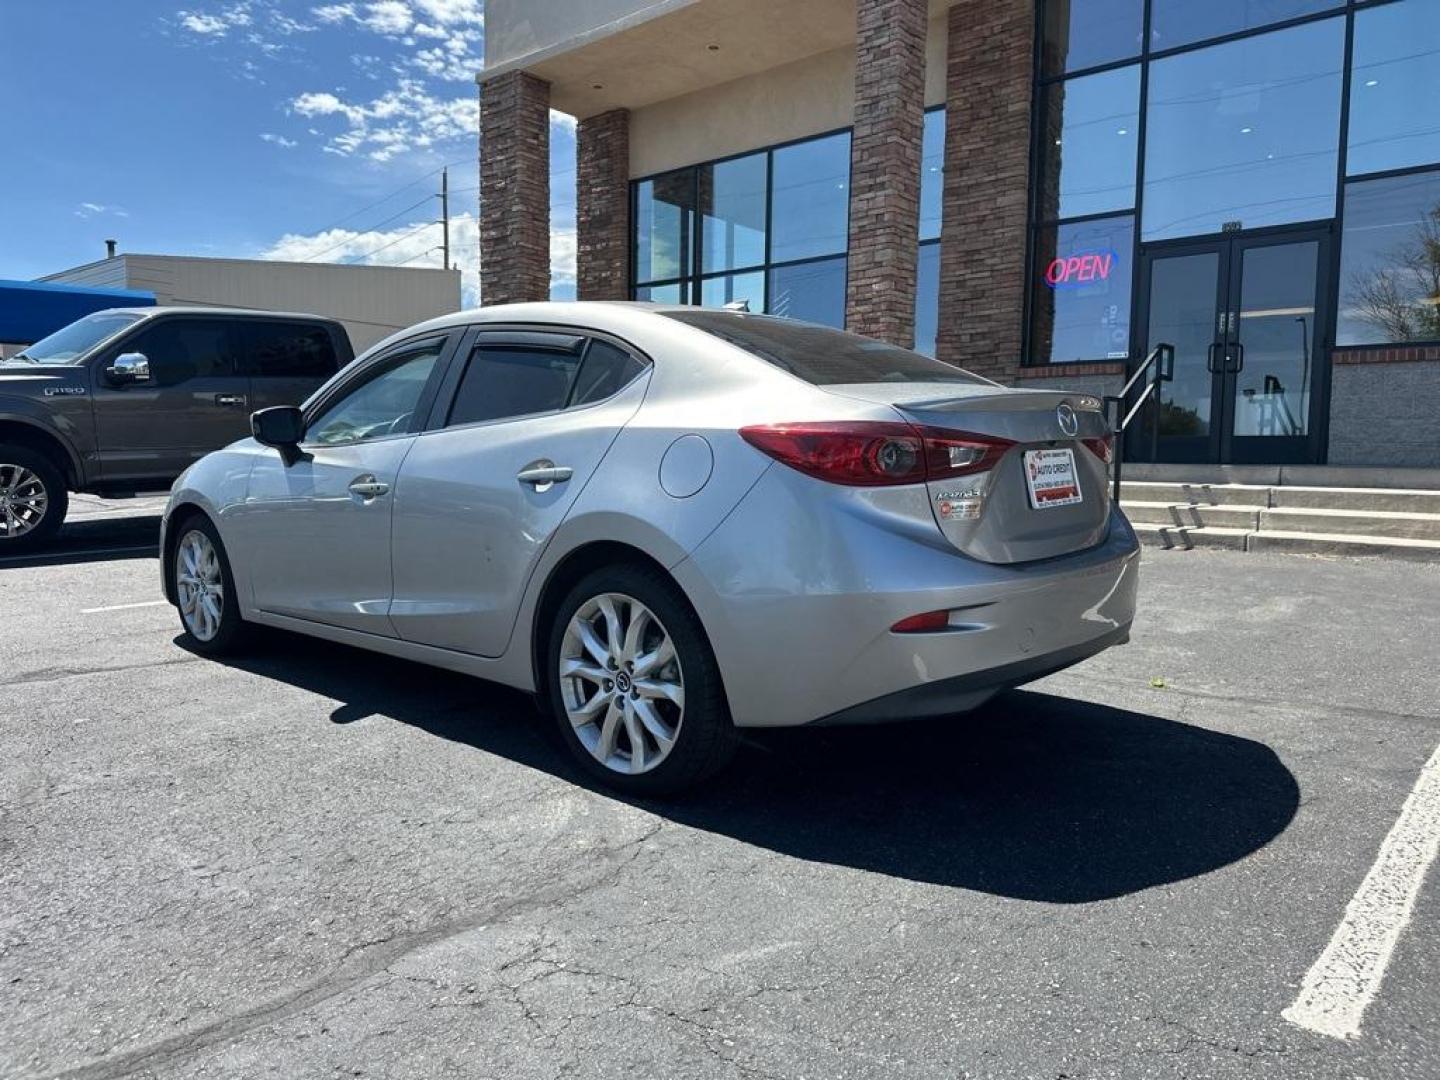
(213, 312)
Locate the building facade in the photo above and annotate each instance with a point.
(1040, 192)
(372, 302)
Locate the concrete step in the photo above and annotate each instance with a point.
(1160, 491)
(1403, 500)
(1169, 513)
(1187, 536)
(1347, 544)
(1380, 523)
(1356, 476)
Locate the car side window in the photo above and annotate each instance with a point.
(383, 404)
(183, 349)
(502, 381)
(605, 369)
(288, 350)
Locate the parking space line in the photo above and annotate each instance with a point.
(1346, 978)
(122, 607)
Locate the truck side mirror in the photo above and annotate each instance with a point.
(128, 369)
(282, 427)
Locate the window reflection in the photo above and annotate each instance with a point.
(732, 207)
(812, 291)
(1390, 261)
(1394, 88)
(810, 199)
(1079, 34)
(1080, 307)
(1244, 134)
(733, 288)
(1089, 140)
(1180, 22)
(927, 298)
(932, 165)
(664, 209)
(675, 293)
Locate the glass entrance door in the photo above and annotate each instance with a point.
(1246, 317)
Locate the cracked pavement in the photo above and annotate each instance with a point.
(316, 862)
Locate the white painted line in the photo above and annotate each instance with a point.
(1348, 974)
(123, 607)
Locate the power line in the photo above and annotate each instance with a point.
(372, 228)
(387, 198)
(392, 243)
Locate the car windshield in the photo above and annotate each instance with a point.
(69, 343)
(820, 355)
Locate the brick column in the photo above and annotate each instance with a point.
(987, 169)
(514, 189)
(602, 206)
(885, 168)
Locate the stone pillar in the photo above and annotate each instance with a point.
(885, 168)
(514, 189)
(987, 170)
(602, 206)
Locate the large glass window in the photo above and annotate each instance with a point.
(1244, 134)
(1390, 261)
(1181, 22)
(1395, 88)
(1090, 131)
(733, 289)
(1080, 300)
(664, 224)
(932, 173)
(810, 199)
(732, 213)
(813, 291)
(927, 298)
(1079, 34)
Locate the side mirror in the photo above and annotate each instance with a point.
(129, 368)
(282, 426)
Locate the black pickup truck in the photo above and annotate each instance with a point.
(123, 401)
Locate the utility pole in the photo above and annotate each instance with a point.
(445, 212)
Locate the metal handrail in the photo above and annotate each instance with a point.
(1159, 365)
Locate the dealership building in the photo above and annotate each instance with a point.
(1039, 192)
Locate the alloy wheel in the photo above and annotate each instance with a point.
(621, 683)
(23, 501)
(200, 585)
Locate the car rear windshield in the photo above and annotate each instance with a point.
(820, 355)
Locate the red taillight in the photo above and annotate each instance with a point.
(925, 623)
(870, 453)
(1101, 448)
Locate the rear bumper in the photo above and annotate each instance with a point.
(798, 604)
(961, 693)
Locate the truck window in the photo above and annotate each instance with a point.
(184, 349)
(289, 350)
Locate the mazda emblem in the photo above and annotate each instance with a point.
(1066, 418)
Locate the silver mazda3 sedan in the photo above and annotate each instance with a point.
(668, 523)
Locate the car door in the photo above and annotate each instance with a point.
(193, 401)
(316, 530)
(528, 421)
(286, 361)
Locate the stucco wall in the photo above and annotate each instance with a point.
(518, 28)
(1385, 414)
(792, 101)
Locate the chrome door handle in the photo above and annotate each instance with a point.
(543, 473)
(367, 487)
(237, 400)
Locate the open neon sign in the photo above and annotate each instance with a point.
(1081, 268)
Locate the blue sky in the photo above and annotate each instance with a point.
(247, 129)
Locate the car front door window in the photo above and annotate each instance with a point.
(383, 405)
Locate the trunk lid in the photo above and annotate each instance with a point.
(993, 516)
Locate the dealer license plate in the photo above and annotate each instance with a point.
(1050, 476)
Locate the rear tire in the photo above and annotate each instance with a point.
(33, 499)
(205, 595)
(640, 703)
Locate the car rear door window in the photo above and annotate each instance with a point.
(503, 380)
(605, 370)
(183, 349)
(289, 350)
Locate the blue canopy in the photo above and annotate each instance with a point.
(31, 310)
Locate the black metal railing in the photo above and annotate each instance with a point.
(1157, 367)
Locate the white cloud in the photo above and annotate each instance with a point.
(94, 209)
(388, 17)
(453, 12)
(405, 118)
(334, 13)
(277, 140)
(416, 244)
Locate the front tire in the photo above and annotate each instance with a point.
(33, 499)
(205, 593)
(633, 684)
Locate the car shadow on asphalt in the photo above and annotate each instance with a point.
(80, 541)
(1034, 796)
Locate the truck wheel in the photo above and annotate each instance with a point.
(33, 499)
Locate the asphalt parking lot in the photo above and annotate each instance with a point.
(316, 862)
